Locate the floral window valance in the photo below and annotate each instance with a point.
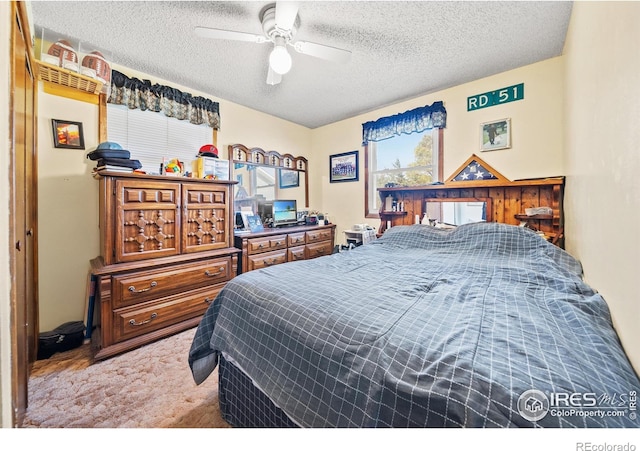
(142, 94)
(417, 120)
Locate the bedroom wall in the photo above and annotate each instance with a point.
(537, 136)
(68, 194)
(67, 212)
(602, 161)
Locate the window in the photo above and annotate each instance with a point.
(402, 149)
(152, 137)
(407, 159)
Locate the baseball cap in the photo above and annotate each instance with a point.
(208, 150)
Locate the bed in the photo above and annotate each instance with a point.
(484, 325)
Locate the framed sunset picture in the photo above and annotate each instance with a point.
(67, 134)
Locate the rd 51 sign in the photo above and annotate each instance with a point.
(497, 97)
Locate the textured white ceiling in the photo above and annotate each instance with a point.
(399, 49)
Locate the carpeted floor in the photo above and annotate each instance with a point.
(149, 387)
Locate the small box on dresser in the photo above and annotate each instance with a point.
(166, 252)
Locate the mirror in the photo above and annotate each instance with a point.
(458, 211)
(264, 176)
(268, 183)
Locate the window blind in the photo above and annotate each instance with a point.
(150, 136)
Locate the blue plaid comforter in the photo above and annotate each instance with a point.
(485, 325)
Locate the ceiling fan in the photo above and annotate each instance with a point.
(280, 22)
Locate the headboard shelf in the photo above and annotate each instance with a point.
(479, 184)
(530, 217)
(508, 199)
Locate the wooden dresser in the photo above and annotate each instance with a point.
(166, 251)
(281, 245)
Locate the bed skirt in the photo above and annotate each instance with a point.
(244, 405)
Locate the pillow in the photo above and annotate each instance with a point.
(483, 236)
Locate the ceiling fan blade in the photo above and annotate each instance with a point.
(273, 78)
(322, 51)
(214, 33)
(286, 13)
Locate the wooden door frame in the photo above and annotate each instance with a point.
(23, 336)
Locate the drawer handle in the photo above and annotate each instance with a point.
(152, 285)
(319, 251)
(260, 246)
(133, 321)
(208, 301)
(278, 243)
(210, 274)
(273, 261)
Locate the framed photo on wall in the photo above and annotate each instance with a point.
(343, 167)
(288, 178)
(495, 135)
(67, 134)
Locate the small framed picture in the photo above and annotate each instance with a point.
(343, 167)
(495, 135)
(67, 134)
(254, 223)
(288, 178)
(246, 212)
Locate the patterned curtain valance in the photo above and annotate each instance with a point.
(417, 120)
(142, 94)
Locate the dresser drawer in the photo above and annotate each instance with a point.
(318, 235)
(150, 316)
(133, 288)
(319, 249)
(296, 239)
(267, 243)
(267, 259)
(147, 220)
(296, 253)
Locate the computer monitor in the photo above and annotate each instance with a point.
(284, 212)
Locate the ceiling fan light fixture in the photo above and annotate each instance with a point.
(279, 59)
(280, 22)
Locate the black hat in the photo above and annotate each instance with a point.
(108, 149)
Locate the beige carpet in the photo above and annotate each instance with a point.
(150, 387)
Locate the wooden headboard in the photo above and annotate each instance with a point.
(507, 199)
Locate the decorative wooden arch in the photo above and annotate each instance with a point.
(239, 153)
